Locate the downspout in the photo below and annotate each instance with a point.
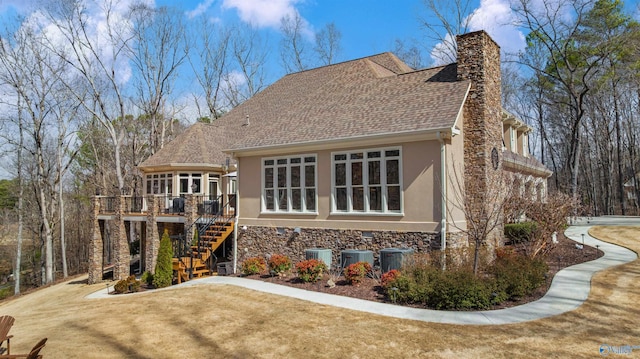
(443, 191)
(235, 219)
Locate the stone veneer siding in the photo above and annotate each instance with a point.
(265, 241)
(479, 62)
(121, 247)
(152, 239)
(95, 247)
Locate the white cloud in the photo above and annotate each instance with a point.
(262, 13)
(497, 19)
(200, 9)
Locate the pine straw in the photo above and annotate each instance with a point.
(227, 322)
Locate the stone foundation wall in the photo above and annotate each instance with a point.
(265, 241)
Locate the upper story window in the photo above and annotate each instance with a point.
(190, 183)
(159, 183)
(367, 181)
(289, 184)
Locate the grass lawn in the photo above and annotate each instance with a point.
(214, 321)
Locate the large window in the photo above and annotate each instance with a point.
(367, 181)
(161, 183)
(289, 184)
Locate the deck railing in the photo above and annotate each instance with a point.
(168, 204)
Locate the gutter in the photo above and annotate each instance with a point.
(443, 191)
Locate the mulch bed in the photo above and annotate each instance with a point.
(564, 254)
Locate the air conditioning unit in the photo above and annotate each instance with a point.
(322, 254)
(393, 258)
(350, 256)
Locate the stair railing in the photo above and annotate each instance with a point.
(211, 213)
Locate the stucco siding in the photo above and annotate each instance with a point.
(420, 198)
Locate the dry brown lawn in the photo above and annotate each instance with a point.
(214, 321)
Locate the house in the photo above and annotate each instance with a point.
(364, 154)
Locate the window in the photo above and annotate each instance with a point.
(159, 183)
(367, 181)
(190, 183)
(289, 184)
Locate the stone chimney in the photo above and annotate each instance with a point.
(479, 62)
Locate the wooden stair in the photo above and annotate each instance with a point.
(214, 236)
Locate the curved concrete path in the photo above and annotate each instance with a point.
(569, 289)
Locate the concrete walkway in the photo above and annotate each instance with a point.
(569, 289)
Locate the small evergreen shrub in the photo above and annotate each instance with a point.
(279, 263)
(311, 270)
(520, 232)
(147, 277)
(164, 266)
(129, 285)
(253, 265)
(355, 272)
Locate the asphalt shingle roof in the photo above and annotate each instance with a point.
(371, 96)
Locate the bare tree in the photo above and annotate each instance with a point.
(483, 209)
(293, 51)
(444, 20)
(408, 53)
(27, 67)
(328, 44)
(246, 74)
(210, 62)
(98, 60)
(158, 52)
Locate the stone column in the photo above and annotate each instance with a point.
(96, 255)
(152, 239)
(121, 248)
(190, 215)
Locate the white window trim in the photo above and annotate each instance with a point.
(166, 191)
(365, 181)
(303, 187)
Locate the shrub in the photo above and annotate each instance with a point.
(147, 277)
(164, 266)
(310, 270)
(254, 265)
(355, 272)
(279, 263)
(461, 290)
(517, 276)
(388, 277)
(511, 276)
(520, 232)
(131, 284)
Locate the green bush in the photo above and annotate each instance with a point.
(355, 272)
(311, 270)
(164, 266)
(460, 290)
(519, 232)
(147, 277)
(254, 265)
(279, 263)
(510, 277)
